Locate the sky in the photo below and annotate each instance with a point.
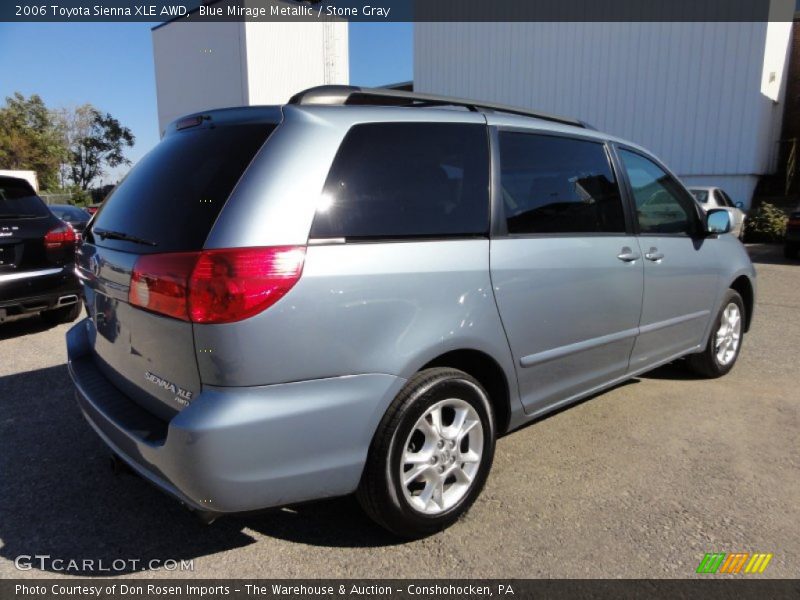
(110, 65)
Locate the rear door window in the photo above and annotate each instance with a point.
(407, 180)
(19, 201)
(558, 185)
(172, 197)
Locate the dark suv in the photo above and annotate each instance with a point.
(37, 257)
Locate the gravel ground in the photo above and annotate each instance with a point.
(639, 481)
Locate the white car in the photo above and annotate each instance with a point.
(714, 197)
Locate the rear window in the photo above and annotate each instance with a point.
(407, 180)
(172, 197)
(19, 201)
(68, 213)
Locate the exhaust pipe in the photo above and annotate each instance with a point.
(66, 300)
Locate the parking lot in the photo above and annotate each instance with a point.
(640, 481)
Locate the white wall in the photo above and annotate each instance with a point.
(284, 58)
(689, 92)
(200, 66)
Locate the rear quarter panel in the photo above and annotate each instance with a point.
(364, 308)
(359, 307)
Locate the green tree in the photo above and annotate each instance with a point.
(95, 141)
(30, 139)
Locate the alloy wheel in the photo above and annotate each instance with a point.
(442, 456)
(726, 340)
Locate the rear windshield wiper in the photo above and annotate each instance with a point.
(118, 235)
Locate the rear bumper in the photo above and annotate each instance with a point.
(240, 449)
(33, 291)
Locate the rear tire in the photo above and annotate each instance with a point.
(430, 455)
(63, 314)
(725, 341)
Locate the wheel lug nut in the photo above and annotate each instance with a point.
(441, 444)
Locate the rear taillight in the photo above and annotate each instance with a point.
(215, 286)
(231, 285)
(159, 283)
(60, 237)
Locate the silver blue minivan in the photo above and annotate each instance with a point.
(360, 290)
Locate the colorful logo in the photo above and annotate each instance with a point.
(720, 562)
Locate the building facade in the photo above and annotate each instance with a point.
(204, 65)
(707, 98)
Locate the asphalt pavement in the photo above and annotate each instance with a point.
(639, 481)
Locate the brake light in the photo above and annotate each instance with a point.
(215, 286)
(231, 285)
(159, 283)
(60, 236)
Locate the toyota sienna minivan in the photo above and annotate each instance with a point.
(361, 290)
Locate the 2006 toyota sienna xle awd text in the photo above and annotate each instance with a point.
(360, 290)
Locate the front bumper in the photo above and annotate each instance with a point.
(240, 449)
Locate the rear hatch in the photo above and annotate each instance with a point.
(25, 221)
(164, 208)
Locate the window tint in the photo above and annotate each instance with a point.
(401, 180)
(18, 200)
(700, 195)
(558, 185)
(175, 193)
(661, 204)
(724, 199)
(70, 213)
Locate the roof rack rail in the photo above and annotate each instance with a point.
(341, 95)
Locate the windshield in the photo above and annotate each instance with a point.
(700, 195)
(18, 200)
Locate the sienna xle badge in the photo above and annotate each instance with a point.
(360, 290)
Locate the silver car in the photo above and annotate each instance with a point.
(713, 197)
(361, 290)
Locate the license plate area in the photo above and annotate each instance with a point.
(6, 256)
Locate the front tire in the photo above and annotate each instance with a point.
(725, 341)
(430, 455)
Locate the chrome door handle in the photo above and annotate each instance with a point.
(628, 255)
(654, 255)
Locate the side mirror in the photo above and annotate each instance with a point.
(718, 221)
